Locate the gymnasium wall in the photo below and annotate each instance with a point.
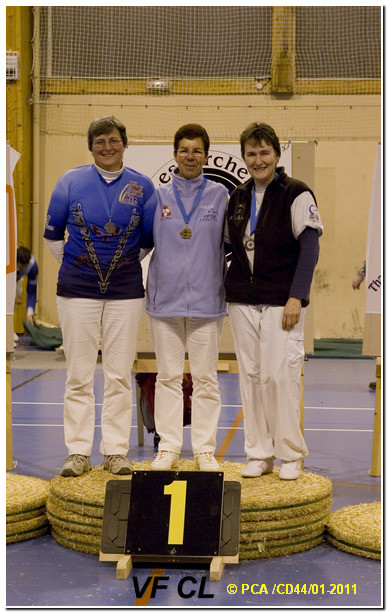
(312, 72)
(343, 183)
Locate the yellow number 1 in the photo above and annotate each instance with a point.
(177, 490)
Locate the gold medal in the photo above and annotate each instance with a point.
(186, 233)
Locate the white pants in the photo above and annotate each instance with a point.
(83, 322)
(270, 362)
(202, 337)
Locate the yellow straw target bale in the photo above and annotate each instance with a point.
(88, 543)
(30, 528)
(25, 507)
(252, 531)
(25, 495)
(268, 497)
(281, 547)
(61, 518)
(357, 529)
(83, 495)
(277, 517)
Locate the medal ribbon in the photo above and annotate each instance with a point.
(187, 216)
(108, 209)
(85, 233)
(254, 215)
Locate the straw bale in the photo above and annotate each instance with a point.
(276, 515)
(287, 527)
(84, 495)
(252, 551)
(88, 543)
(61, 517)
(27, 525)
(30, 528)
(25, 494)
(268, 497)
(17, 517)
(266, 544)
(357, 529)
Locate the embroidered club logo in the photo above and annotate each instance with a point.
(131, 193)
(166, 211)
(313, 210)
(209, 213)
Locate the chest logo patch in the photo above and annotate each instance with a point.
(131, 193)
(166, 212)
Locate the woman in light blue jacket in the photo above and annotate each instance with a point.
(185, 300)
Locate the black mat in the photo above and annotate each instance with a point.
(338, 348)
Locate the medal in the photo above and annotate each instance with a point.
(249, 244)
(186, 233)
(110, 227)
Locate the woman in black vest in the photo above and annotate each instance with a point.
(273, 227)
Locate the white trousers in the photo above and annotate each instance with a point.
(202, 337)
(84, 322)
(270, 362)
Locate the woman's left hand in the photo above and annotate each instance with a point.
(291, 313)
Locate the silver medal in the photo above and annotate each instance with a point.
(110, 227)
(249, 244)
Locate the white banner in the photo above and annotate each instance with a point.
(224, 164)
(11, 237)
(373, 251)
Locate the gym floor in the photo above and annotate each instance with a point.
(339, 411)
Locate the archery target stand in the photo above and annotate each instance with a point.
(171, 517)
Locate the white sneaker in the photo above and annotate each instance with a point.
(206, 461)
(165, 460)
(256, 468)
(290, 470)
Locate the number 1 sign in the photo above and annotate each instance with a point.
(175, 514)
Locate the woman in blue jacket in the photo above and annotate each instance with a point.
(186, 301)
(106, 211)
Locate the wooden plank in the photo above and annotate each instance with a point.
(124, 567)
(82, 87)
(9, 444)
(216, 568)
(375, 469)
(109, 557)
(372, 335)
(283, 49)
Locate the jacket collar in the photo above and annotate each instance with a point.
(187, 186)
(280, 175)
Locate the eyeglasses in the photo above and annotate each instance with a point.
(101, 143)
(198, 153)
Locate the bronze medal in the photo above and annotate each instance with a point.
(186, 233)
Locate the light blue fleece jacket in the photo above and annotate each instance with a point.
(186, 276)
